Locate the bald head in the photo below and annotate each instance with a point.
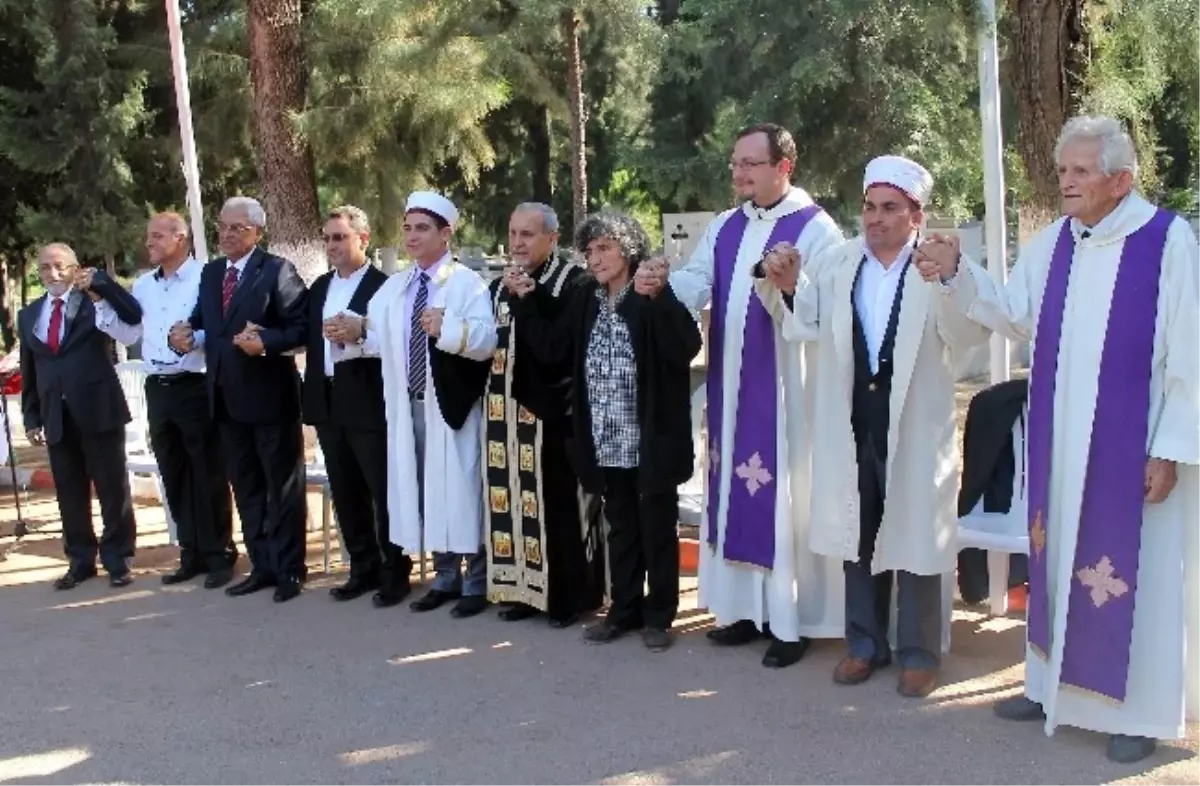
(167, 240)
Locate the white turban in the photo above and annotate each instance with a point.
(902, 173)
(434, 203)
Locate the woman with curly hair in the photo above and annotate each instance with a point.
(630, 353)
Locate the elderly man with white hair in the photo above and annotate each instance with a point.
(1108, 296)
(885, 472)
(251, 311)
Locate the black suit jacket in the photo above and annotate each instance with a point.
(665, 338)
(263, 389)
(356, 400)
(81, 376)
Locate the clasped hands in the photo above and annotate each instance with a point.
(183, 339)
(936, 258)
(344, 328)
(84, 278)
(781, 266)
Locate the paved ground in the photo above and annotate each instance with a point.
(156, 685)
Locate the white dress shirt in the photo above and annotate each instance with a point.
(165, 300)
(41, 328)
(874, 296)
(337, 301)
(370, 346)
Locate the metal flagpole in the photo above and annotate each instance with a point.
(993, 172)
(183, 101)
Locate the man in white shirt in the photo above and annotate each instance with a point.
(343, 398)
(181, 430)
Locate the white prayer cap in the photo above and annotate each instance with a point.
(902, 173)
(434, 203)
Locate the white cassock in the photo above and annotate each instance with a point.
(918, 533)
(453, 490)
(803, 594)
(1164, 661)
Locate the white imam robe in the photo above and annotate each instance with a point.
(1163, 659)
(804, 594)
(453, 490)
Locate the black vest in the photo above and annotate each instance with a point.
(872, 392)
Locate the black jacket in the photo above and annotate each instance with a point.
(81, 375)
(665, 339)
(270, 294)
(988, 464)
(356, 399)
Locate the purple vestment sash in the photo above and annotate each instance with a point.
(750, 514)
(1103, 580)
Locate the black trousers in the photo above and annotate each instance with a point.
(356, 461)
(643, 548)
(78, 461)
(265, 462)
(188, 451)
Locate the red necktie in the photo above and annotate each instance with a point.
(227, 287)
(54, 332)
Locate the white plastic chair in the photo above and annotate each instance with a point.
(691, 493)
(139, 458)
(1001, 534)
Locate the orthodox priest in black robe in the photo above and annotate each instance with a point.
(547, 554)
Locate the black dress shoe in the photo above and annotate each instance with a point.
(469, 606)
(218, 578)
(249, 585)
(180, 576)
(517, 612)
(390, 596)
(782, 654)
(1126, 749)
(740, 632)
(355, 587)
(73, 578)
(432, 599)
(564, 622)
(121, 579)
(287, 588)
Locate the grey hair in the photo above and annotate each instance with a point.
(356, 217)
(253, 209)
(549, 217)
(624, 230)
(63, 247)
(178, 225)
(1117, 152)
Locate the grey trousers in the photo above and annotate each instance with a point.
(869, 598)
(447, 566)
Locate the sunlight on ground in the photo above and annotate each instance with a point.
(428, 656)
(689, 770)
(696, 694)
(42, 765)
(386, 753)
(83, 604)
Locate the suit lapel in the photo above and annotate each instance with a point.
(30, 315)
(910, 332)
(368, 285)
(245, 283)
(70, 317)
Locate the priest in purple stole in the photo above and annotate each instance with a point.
(1108, 296)
(885, 451)
(757, 575)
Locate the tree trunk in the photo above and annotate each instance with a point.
(279, 74)
(579, 198)
(1048, 66)
(539, 150)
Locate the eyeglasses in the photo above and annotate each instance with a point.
(336, 237)
(734, 166)
(233, 229)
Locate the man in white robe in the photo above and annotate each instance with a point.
(756, 572)
(885, 469)
(1113, 565)
(432, 325)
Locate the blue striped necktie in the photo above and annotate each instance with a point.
(418, 341)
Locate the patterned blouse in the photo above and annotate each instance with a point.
(612, 386)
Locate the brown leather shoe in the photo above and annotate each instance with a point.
(917, 683)
(853, 671)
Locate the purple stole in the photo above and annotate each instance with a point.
(1103, 580)
(750, 514)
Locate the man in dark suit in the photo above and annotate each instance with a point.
(72, 402)
(251, 311)
(343, 398)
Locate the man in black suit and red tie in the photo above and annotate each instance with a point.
(72, 402)
(343, 398)
(250, 313)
